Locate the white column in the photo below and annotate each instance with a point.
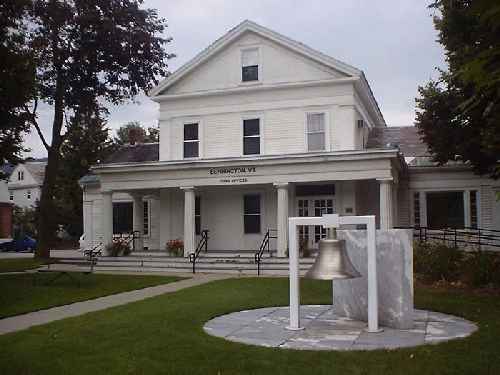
(107, 218)
(88, 229)
(138, 220)
(466, 198)
(386, 210)
(189, 225)
(282, 218)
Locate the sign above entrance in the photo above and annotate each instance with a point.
(232, 170)
(237, 174)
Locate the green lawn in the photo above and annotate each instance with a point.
(20, 295)
(18, 264)
(163, 335)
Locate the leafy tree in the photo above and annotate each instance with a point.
(16, 80)
(24, 221)
(87, 142)
(458, 115)
(138, 132)
(87, 52)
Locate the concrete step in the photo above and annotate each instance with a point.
(269, 266)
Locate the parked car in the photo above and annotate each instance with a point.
(25, 243)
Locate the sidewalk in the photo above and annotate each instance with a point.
(24, 321)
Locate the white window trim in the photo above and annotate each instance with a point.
(259, 51)
(200, 137)
(28, 194)
(326, 113)
(149, 219)
(263, 222)
(11, 195)
(423, 203)
(252, 116)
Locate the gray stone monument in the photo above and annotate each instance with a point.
(394, 274)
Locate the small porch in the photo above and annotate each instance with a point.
(238, 201)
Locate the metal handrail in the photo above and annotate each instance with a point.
(202, 244)
(128, 237)
(93, 254)
(465, 235)
(264, 244)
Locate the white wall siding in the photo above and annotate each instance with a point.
(278, 65)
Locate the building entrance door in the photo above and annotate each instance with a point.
(313, 206)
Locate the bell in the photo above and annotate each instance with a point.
(332, 261)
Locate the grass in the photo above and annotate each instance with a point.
(18, 264)
(20, 295)
(164, 335)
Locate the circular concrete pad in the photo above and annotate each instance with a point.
(326, 331)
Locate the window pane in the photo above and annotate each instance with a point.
(250, 73)
(251, 204)
(315, 122)
(197, 225)
(445, 210)
(190, 132)
(251, 127)
(316, 142)
(250, 57)
(197, 206)
(122, 217)
(190, 149)
(252, 223)
(251, 146)
(146, 218)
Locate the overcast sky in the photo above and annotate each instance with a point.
(392, 41)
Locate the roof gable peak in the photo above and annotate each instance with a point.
(236, 32)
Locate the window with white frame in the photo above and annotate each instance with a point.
(11, 195)
(146, 218)
(315, 129)
(251, 136)
(28, 194)
(191, 140)
(250, 65)
(20, 175)
(251, 213)
(197, 215)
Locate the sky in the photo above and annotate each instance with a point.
(392, 41)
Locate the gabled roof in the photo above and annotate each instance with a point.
(37, 170)
(235, 33)
(138, 153)
(406, 138)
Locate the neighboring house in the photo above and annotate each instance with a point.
(258, 128)
(25, 183)
(5, 205)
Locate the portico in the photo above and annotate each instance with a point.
(238, 200)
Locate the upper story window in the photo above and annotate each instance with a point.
(250, 65)
(28, 194)
(191, 141)
(11, 195)
(251, 136)
(20, 175)
(315, 129)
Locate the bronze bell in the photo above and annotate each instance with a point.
(332, 261)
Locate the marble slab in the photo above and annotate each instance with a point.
(394, 276)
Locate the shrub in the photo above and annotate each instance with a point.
(118, 247)
(175, 247)
(438, 262)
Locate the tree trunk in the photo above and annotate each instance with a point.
(47, 224)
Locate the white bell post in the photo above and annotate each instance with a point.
(332, 221)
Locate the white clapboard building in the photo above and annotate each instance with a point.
(257, 128)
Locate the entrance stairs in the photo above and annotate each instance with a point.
(212, 261)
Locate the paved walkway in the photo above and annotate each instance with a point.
(20, 322)
(326, 331)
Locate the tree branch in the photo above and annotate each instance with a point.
(32, 118)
